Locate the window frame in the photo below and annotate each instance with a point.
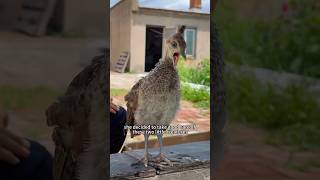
(194, 30)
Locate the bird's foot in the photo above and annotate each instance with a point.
(146, 159)
(162, 158)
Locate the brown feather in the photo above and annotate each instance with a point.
(132, 104)
(150, 94)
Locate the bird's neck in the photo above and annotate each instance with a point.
(167, 54)
(167, 58)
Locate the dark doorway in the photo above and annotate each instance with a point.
(153, 46)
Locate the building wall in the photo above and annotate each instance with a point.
(9, 12)
(120, 21)
(85, 17)
(75, 16)
(138, 38)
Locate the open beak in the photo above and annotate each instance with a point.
(176, 57)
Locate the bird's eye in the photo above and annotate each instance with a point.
(174, 44)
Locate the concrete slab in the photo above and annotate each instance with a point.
(185, 157)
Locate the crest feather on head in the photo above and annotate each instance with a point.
(181, 29)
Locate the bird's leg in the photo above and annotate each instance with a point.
(145, 159)
(146, 153)
(161, 156)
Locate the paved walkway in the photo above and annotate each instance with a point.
(48, 61)
(123, 80)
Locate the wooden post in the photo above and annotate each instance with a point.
(214, 3)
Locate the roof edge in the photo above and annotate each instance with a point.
(148, 10)
(119, 2)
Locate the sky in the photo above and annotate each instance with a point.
(180, 5)
(113, 2)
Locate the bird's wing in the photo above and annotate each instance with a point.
(80, 136)
(132, 104)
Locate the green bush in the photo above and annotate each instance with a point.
(291, 45)
(118, 92)
(291, 115)
(200, 97)
(287, 113)
(196, 75)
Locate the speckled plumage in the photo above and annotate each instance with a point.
(154, 99)
(159, 96)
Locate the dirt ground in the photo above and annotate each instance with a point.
(248, 157)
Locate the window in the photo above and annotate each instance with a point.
(190, 38)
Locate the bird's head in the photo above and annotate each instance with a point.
(176, 46)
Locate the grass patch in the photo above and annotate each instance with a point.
(291, 115)
(13, 97)
(118, 92)
(197, 75)
(291, 45)
(199, 97)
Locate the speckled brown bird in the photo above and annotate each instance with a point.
(154, 99)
